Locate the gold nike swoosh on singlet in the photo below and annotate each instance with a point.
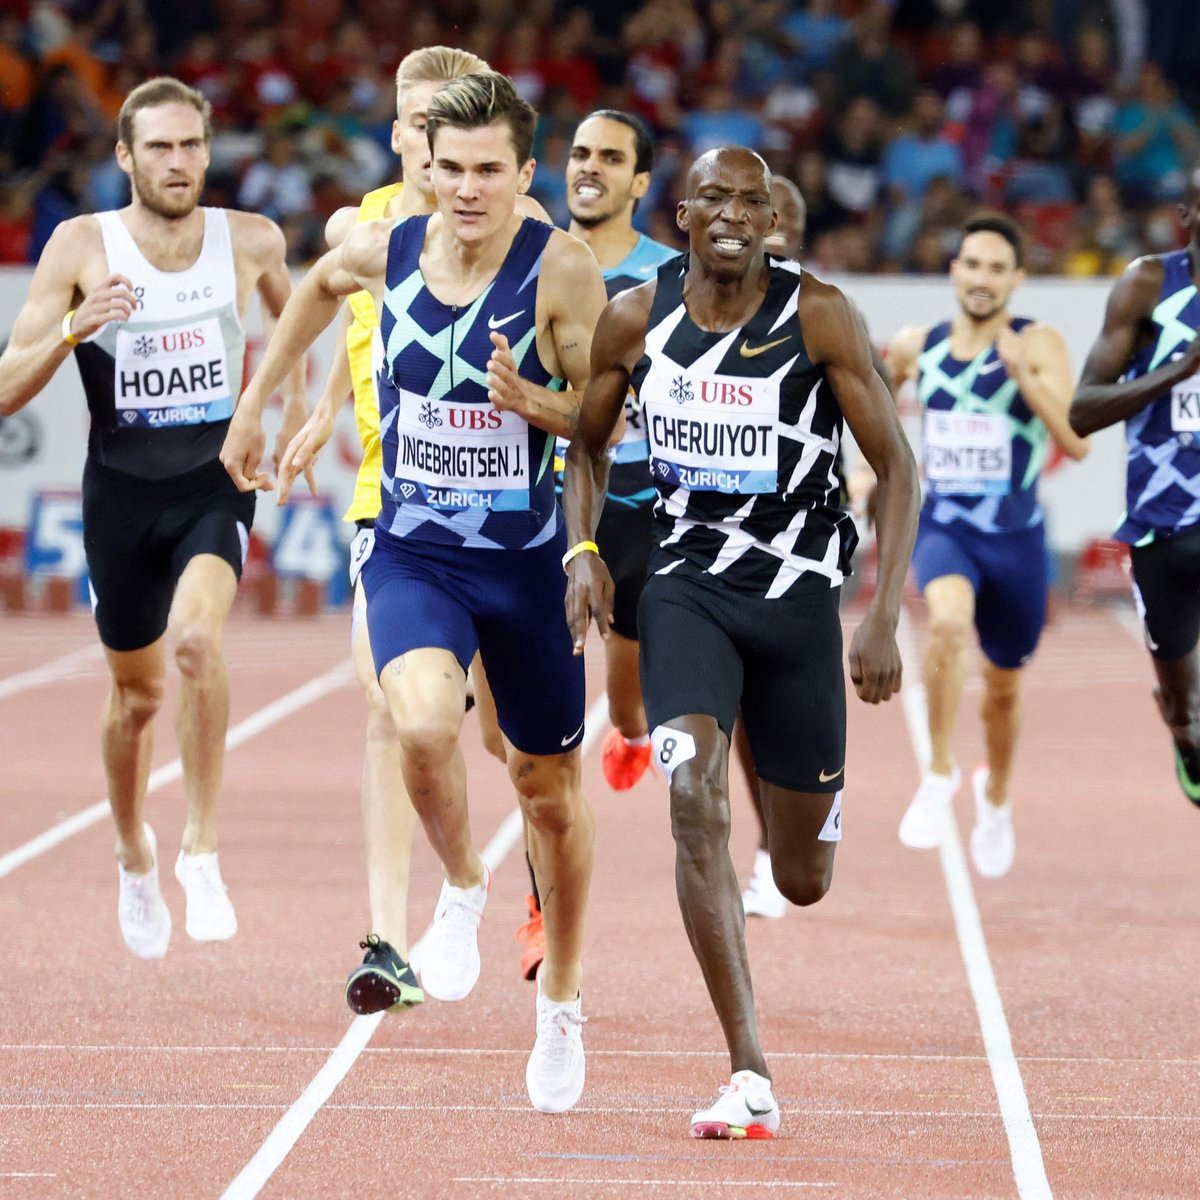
(826, 778)
(746, 351)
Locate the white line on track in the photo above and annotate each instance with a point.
(1024, 1148)
(828, 1055)
(617, 1109)
(251, 1179)
(68, 666)
(251, 727)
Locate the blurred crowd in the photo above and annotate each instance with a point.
(1079, 117)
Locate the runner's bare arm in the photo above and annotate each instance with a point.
(300, 455)
(1100, 400)
(1037, 359)
(616, 347)
(572, 290)
(835, 337)
(36, 348)
(359, 262)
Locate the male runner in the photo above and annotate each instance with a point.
(745, 367)
(608, 172)
(994, 387)
(1145, 370)
(154, 297)
(483, 315)
(384, 979)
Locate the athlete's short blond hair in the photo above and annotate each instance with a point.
(475, 101)
(435, 64)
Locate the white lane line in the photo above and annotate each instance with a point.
(252, 726)
(1024, 1147)
(68, 666)
(251, 1179)
(828, 1055)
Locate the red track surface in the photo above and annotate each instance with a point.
(120, 1077)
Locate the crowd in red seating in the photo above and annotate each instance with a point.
(895, 119)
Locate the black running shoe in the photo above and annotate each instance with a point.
(383, 982)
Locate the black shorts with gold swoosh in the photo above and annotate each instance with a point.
(707, 648)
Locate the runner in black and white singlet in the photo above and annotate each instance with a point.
(1145, 370)
(469, 537)
(160, 291)
(745, 368)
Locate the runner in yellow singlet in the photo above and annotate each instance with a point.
(384, 980)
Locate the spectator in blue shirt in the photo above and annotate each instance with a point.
(1155, 140)
(915, 158)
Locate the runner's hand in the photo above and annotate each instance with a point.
(111, 300)
(505, 385)
(243, 451)
(301, 453)
(875, 666)
(589, 595)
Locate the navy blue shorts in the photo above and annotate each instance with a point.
(1009, 576)
(507, 604)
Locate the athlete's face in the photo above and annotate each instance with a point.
(478, 179)
(985, 274)
(409, 140)
(727, 213)
(602, 184)
(790, 219)
(168, 159)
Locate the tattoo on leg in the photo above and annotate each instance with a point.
(397, 668)
(546, 898)
(525, 770)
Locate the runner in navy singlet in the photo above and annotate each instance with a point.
(995, 389)
(1145, 370)
(484, 318)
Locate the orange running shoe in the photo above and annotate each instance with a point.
(623, 763)
(533, 935)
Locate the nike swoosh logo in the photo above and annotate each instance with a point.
(992, 366)
(758, 1112)
(746, 352)
(826, 778)
(568, 740)
(494, 324)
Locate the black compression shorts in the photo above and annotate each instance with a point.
(140, 534)
(706, 649)
(625, 537)
(1166, 587)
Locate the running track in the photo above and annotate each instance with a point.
(931, 1034)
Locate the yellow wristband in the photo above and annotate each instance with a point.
(68, 336)
(579, 548)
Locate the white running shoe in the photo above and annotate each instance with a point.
(745, 1109)
(925, 820)
(450, 957)
(761, 897)
(210, 915)
(141, 911)
(555, 1071)
(993, 842)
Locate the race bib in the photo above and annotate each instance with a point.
(461, 456)
(175, 376)
(968, 454)
(1185, 406)
(714, 434)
